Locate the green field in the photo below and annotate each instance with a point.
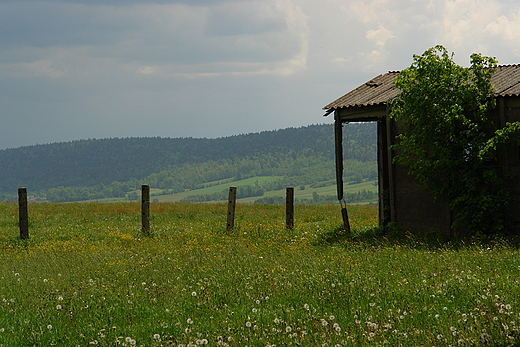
(87, 277)
(306, 193)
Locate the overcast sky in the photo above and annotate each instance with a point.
(77, 69)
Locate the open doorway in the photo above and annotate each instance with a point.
(377, 136)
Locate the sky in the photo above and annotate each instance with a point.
(80, 69)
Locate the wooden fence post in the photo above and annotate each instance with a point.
(289, 208)
(145, 209)
(344, 216)
(232, 200)
(23, 213)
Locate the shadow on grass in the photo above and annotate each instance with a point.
(390, 236)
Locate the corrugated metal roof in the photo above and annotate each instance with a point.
(380, 89)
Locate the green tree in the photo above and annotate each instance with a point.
(452, 138)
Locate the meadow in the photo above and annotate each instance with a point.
(87, 277)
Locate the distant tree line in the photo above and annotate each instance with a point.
(96, 169)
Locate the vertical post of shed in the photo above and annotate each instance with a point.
(23, 213)
(289, 208)
(231, 208)
(145, 209)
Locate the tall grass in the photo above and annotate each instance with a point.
(87, 277)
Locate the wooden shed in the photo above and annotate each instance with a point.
(403, 200)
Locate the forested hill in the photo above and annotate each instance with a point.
(95, 162)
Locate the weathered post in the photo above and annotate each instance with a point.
(344, 215)
(232, 200)
(23, 213)
(145, 209)
(289, 208)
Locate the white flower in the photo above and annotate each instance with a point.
(58, 307)
(189, 321)
(49, 327)
(288, 329)
(306, 306)
(193, 293)
(157, 337)
(60, 298)
(248, 324)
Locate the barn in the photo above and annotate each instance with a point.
(402, 200)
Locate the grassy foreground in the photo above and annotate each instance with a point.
(87, 278)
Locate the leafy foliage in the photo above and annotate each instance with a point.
(452, 138)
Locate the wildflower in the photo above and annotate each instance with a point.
(45, 280)
(508, 307)
(157, 337)
(306, 306)
(202, 342)
(58, 307)
(193, 293)
(372, 304)
(276, 321)
(337, 327)
(49, 327)
(254, 310)
(323, 322)
(95, 342)
(288, 329)
(257, 302)
(248, 324)
(189, 321)
(60, 298)
(332, 317)
(187, 330)
(440, 337)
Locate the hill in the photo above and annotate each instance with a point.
(101, 168)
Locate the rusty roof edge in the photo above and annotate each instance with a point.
(331, 108)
